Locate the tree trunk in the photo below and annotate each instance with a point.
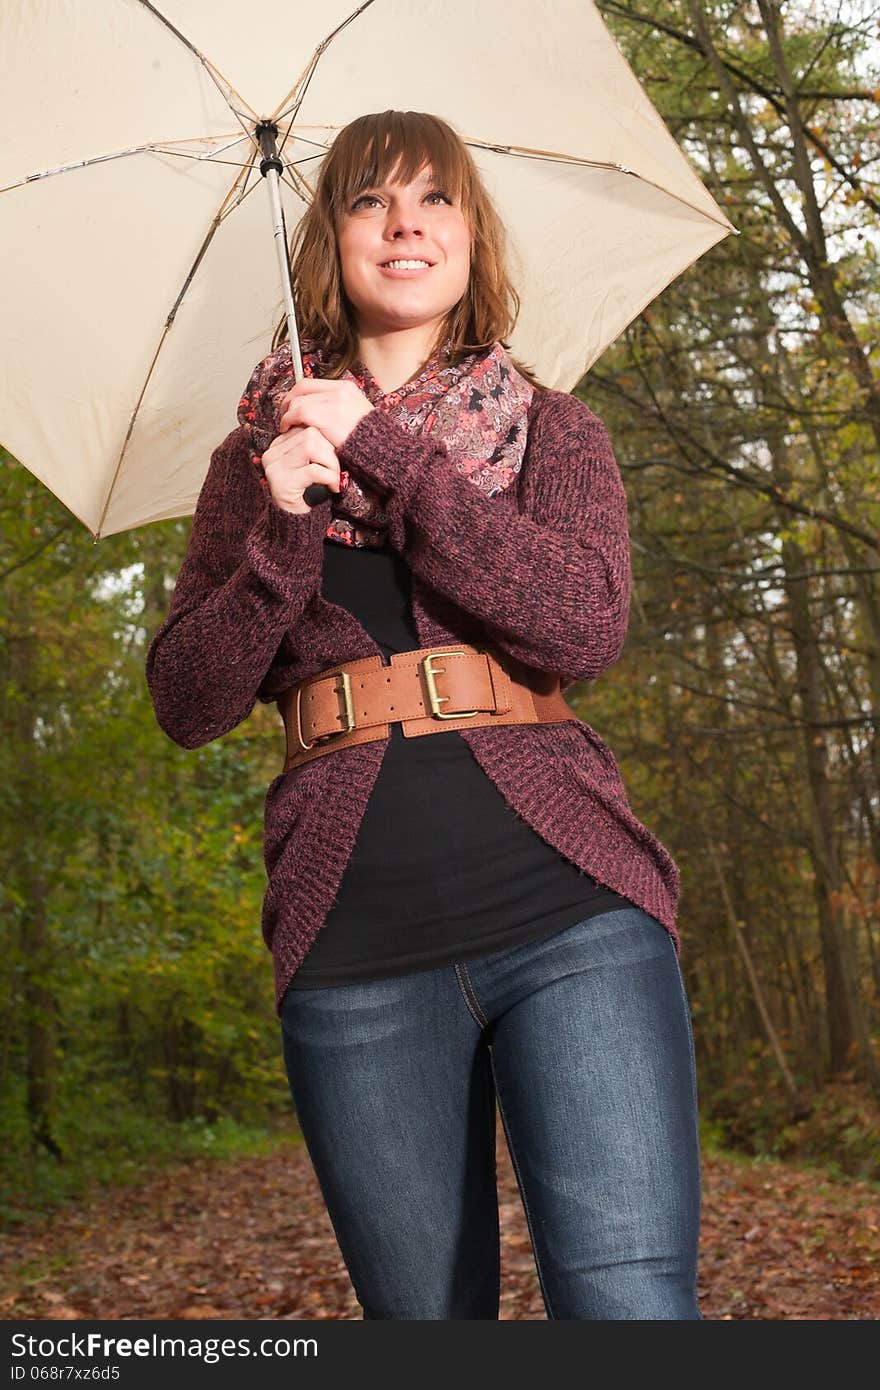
(847, 1032)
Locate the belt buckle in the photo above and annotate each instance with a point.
(347, 712)
(434, 699)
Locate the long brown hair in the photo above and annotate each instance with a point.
(363, 155)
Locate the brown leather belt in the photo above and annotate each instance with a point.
(429, 691)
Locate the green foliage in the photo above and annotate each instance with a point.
(140, 1016)
(110, 1142)
(835, 1127)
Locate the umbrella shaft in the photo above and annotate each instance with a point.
(270, 168)
(284, 269)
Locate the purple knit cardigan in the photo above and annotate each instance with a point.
(542, 569)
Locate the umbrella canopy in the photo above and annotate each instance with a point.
(138, 278)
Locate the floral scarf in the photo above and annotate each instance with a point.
(478, 408)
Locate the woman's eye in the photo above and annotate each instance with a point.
(366, 198)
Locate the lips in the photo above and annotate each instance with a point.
(426, 264)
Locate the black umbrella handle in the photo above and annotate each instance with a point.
(315, 493)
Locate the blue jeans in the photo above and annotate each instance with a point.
(585, 1040)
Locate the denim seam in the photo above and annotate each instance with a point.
(694, 1092)
(470, 997)
(522, 1192)
(692, 1063)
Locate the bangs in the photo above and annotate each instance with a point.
(368, 151)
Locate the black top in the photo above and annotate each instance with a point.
(442, 868)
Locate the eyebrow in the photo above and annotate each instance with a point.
(430, 181)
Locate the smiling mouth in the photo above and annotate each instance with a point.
(406, 263)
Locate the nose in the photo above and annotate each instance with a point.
(405, 219)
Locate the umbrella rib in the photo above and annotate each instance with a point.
(296, 183)
(211, 157)
(158, 147)
(152, 147)
(224, 87)
(181, 154)
(304, 140)
(297, 92)
(205, 139)
(164, 147)
(211, 233)
(298, 178)
(556, 157)
(230, 203)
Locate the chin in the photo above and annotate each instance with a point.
(416, 318)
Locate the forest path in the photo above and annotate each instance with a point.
(250, 1238)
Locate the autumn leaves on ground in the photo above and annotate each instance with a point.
(250, 1238)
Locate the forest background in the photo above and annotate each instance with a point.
(744, 406)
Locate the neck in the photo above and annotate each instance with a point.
(395, 358)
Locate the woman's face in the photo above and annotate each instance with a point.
(417, 222)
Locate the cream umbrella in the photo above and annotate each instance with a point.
(138, 285)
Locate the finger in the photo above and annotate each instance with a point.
(320, 449)
(283, 444)
(311, 444)
(299, 413)
(284, 400)
(285, 419)
(318, 386)
(282, 406)
(284, 436)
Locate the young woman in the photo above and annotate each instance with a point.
(462, 908)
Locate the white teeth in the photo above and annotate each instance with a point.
(405, 265)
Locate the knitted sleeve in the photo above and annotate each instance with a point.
(551, 582)
(249, 571)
